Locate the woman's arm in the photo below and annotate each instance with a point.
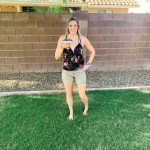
(90, 48)
(59, 48)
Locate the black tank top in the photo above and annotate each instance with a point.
(73, 59)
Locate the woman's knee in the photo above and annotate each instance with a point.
(82, 95)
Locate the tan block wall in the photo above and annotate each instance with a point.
(28, 41)
(121, 41)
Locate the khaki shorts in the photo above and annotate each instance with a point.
(78, 75)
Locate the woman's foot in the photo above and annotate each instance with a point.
(85, 111)
(70, 117)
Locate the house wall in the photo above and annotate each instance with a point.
(28, 41)
(120, 10)
(8, 8)
(114, 10)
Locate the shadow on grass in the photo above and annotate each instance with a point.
(117, 120)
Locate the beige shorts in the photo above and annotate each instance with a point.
(78, 75)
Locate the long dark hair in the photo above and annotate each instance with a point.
(74, 19)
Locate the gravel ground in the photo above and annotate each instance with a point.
(52, 81)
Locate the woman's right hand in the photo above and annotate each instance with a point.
(64, 45)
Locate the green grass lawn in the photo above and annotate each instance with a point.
(117, 120)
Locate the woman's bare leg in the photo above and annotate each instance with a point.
(83, 96)
(69, 89)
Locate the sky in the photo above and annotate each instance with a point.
(144, 7)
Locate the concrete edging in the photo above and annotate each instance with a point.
(63, 91)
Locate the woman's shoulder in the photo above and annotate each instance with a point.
(62, 37)
(83, 39)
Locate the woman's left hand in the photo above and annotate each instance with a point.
(85, 67)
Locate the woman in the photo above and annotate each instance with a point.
(73, 65)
